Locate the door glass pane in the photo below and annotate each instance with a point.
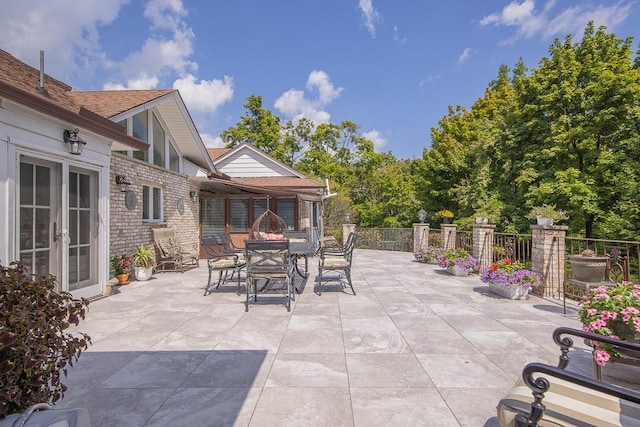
(26, 184)
(42, 263)
(73, 190)
(85, 191)
(26, 228)
(73, 266)
(26, 259)
(42, 228)
(84, 261)
(73, 226)
(42, 186)
(84, 226)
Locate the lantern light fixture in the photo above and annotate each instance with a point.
(76, 144)
(123, 182)
(193, 196)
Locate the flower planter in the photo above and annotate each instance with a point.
(123, 279)
(544, 221)
(458, 271)
(588, 268)
(510, 292)
(433, 261)
(143, 274)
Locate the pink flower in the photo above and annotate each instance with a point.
(617, 297)
(636, 323)
(601, 296)
(601, 357)
(629, 310)
(597, 324)
(608, 315)
(592, 312)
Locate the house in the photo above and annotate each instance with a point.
(247, 183)
(55, 161)
(162, 183)
(85, 176)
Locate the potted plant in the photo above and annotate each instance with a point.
(35, 348)
(429, 254)
(120, 266)
(510, 279)
(588, 266)
(143, 263)
(446, 216)
(458, 262)
(612, 311)
(547, 214)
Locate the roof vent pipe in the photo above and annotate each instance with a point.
(42, 70)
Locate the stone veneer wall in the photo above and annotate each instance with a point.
(448, 236)
(420, 236)
(483, 244)
(548, 255)
(127, 229)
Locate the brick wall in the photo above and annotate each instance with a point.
(127, 229)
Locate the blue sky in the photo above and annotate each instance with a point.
(392, 67)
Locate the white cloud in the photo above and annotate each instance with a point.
(378, 140)
(67, 30)
(466, 54)
(204, 96)
(429, 79)
(529, 22)
(370, 15)
(211, 141)
(294, 103)
(396, 36)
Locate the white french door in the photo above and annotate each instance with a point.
(58, 224)
(40, 216)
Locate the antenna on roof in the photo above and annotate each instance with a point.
(329, 193)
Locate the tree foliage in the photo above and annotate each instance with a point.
(565, 133)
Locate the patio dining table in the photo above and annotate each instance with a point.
(299, 249)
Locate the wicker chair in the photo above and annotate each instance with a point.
(268, 226)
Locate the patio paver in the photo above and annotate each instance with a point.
(415, 347)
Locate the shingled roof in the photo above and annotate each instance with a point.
(20, 83)
(109, 103)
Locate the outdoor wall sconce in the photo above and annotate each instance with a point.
(76, 144)
(122, 181)
(422, 214)
(193, 196)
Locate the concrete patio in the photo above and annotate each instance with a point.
(415, 346)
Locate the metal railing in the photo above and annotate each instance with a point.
(627, 250)
(516, 247)
(387, 239)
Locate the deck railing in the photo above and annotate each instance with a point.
(517, 247)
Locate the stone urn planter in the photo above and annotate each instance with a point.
(588, 268)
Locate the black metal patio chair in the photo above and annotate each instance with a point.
(222, 261)
(337, 260)
(269, 269)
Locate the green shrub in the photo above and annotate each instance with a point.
(34, 350)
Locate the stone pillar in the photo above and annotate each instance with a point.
(346, 229)
(483, 244)
(448, 236)
(420, 236)
(548, 256)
